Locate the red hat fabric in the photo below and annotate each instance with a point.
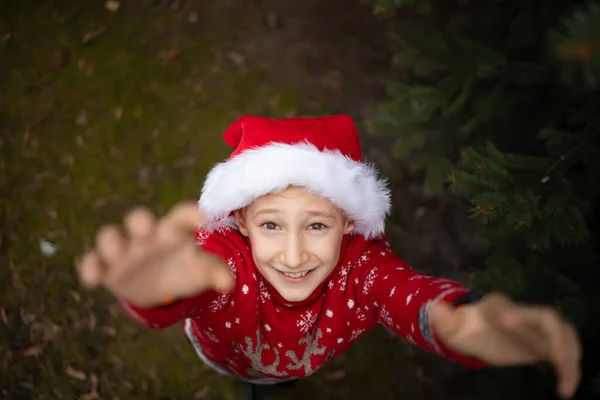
(322, 154)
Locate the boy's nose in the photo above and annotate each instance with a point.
(295, 252)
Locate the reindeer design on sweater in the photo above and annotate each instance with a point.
(254, 352)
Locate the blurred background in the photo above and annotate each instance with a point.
(484, 114)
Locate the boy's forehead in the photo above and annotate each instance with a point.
(292, 193)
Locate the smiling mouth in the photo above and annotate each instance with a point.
(296, 275)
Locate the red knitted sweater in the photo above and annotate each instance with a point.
(253, 334)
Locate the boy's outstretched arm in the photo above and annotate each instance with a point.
(155, 267)
(173, 310)
(403, 299)
(442, 315)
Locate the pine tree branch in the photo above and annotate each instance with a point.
(588, 133)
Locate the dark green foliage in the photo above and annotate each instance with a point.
(503, 95)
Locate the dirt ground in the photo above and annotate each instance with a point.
(105, 105)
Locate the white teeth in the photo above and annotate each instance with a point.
(296, 275)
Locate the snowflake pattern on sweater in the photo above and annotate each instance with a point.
(253, 334)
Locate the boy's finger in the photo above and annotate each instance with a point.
(572, 366)
(111, 244)
(184, 217)
(222, 280)
(90, 270)
(140, 223)
(529, 337)
(563, 346)
(214, 272)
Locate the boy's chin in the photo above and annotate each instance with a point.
(294, 295)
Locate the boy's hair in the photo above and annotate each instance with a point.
(321, 154)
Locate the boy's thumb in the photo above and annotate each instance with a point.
(216, 275)
(222, 280)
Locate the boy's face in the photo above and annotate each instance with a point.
(296, 238)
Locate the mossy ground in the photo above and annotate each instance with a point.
(100, 111)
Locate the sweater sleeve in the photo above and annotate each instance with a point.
(403, 298)
(164, 316)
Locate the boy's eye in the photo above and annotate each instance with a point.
(270, 225)
(317, 226)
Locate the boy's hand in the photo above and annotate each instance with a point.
(155, 261)
(502, 333)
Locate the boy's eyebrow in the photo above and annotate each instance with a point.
(311, 212)
(320, 214)
(266, 211)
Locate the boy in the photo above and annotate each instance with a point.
(290, 266)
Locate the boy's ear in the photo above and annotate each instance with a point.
(241, 222)
(349, 226)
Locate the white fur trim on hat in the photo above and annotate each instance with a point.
(353, 186)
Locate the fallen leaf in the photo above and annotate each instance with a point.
(128, 385)
(92, 322)
(5, 38)
(116, 153)
(88, 37)
(112, 5)
(109, 330)
(202, 394)
(89, 396)
(80, 64)
(45, 332)
(169, 55)
(336, 375)
(94, 382)
(51, 333)
(89, 70)
(237, 58)
(100, 202)
(198, 87)
(193, 18)
(52, 215)
(35, 350)
(44, 175)
(75, 373)
(26, 317)
(82, 118)
(64, 180)
(144, 174)
(118, 113)
(76, 296)
(80, 142)
(4, 316)
(60, 59)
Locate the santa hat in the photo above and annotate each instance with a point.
(320, 154)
